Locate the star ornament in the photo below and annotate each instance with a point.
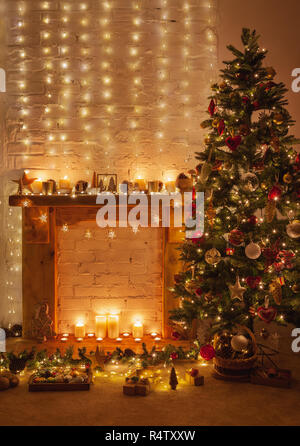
(236, 290)
(25, 182)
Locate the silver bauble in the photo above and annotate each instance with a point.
(253, 251)
(239, 343)
(251, 182)
(293, 229)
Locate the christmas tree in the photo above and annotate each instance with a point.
(246, 264)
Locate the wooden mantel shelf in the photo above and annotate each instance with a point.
(80, 200)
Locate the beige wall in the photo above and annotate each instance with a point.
(278, 23)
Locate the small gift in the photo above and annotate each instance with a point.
(136, 386)
(193, 377)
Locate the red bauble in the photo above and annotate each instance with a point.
(275, 193)
(297, 163)
(253, 281)
(212, 107)
(207, 352)
(253, 220)
(175, 335)
(245, 100)
(199, 292)
(256, 105)
(233, 142)
(194, 373)
(174, 355)
(236, 237)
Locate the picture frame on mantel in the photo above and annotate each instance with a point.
(107, 182)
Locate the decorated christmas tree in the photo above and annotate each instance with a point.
(246, 263)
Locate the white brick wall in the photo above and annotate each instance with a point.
(148, 126)
(101, 276)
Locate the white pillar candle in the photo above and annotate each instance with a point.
(37, 186)
(79, 330)
(137, 330)
(101, 326)
(113, 326)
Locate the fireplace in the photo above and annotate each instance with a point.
(81, 270)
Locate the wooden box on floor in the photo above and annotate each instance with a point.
(54, 387)
(282, 378)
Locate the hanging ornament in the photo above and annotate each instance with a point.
(253, 251)
(239, 343)
(221, 127)
(293, 229)
(266, 313)
(233, 142)
(287, 178)
(251, 182)
(215, 123)
(276, 291)
(211, 213)
(236, 290)
(229, 250)
(236, 237)
(205, 172)
(213, 256)
(270, 211)
(207, 352)
(278, 119)
(275, 193)
(253, 281)
(252, 220)
(264, 333)
(244, 130)
(270, 72)
(280, 280)
(212, 108)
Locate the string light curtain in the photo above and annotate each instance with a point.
(116, 86)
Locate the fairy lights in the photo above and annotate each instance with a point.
(88, 88)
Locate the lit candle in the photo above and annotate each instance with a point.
(141, 184)
(80, 330)
(153, 334)
(119, 339)
(64, 339)
(126, 334)
(90, 335)
(137, 330)
(37, 186)
(64, 183)
(170, 186)
(99, 339)
(101, 326)
(113, 326)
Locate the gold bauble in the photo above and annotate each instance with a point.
(213, 256)
(264, 186)
(287, 178)
(223, 85)
(278, 119)
(215, 123)
(207, 140)
(271, 73)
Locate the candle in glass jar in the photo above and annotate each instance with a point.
(80, 330)
(170, 186)
(37, 186)
(137, 330)
(101, 326)
(64, 183)
(113, 326)
(141, 184)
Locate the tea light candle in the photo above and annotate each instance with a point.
(99, 339)
(119, 339)
(125, 335)
(64, 339)
(157, 339)
(79, 339)
(113, 326)
(137, 330)
(64, 183)
(141, 184)
(37, 186)
(170, 186)
(90, 335)
(153, 334)
(65, 335)
(79, 330)
(101, 326)
(137, 339)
